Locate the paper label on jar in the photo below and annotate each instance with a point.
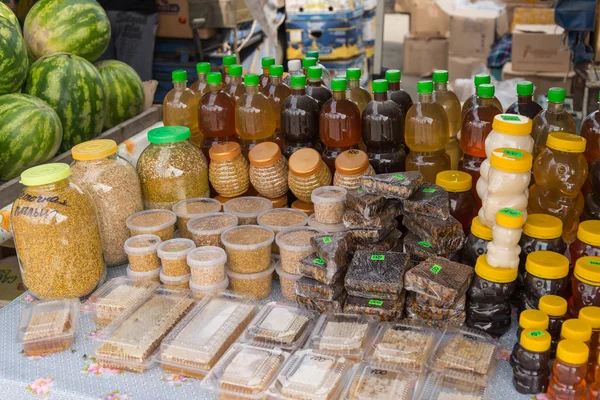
(377, 257)
(592, 262)
(436, 269)
(513, 153)
(536, 333)
(511, 212)
(424, 244)
(319, 261)
(510, 118)
(327, 239)
(377, 303)
(429, 190)
(399, 176)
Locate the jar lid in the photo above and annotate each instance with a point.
(352, 162)
(511, 160)
(481, 230)
(492, 274)
(591, 315)
(305, 162)
(225, 151)
(308, 208)
(264, 154)
(543, 226)
(536, 340)
(94, 149)
(533, 319)
(589, 232)
(566, 142)
(572, 352)
(454, 181)
(553, 305)
(45, 174)
(510, 218)
(228, 60)
(168, 134)
(556, 95)
(576, 329)
(509, 124)
(278, 202)
(393, 75)
(587, 270)
(547, 264)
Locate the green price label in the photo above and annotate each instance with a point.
(513, 153)
(592, 262)
(399, 176)
(319, 261)
(436, 268)
(424, 244)
(377, 257)
(536, 333)
(377, 303)
(360, 191)
(428, 190)
(505, 117)
(327, 239)
(511, 212)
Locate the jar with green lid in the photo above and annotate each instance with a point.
(57, 235)
(171, 169)
(228, 171)
(115, 188)
(268, 170)
(307, 173)
(350, 166)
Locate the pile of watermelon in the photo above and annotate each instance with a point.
(51, 95)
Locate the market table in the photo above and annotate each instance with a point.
(74, 375)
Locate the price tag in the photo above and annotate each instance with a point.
(536, 333)
(436, 269)
(399, 176)
(327, 239)
(511, 212)
(429, 190)
(377, 303)
(424, 244)
(319, 261)
(377, 257)
(513, 153)
(360, 191)
(505, 117)
(596, 263)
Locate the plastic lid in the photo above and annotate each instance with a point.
(510, 218)
(566, 142)
(49, 324)
(249, 246)
(492, 274)
(298, 81)
(267, 62)
(576, 329)
(209, 288)
(510, 124)
(440, 76)
(317, 194)
(481, 230)
(294, 65)
(547, 264)
(524, 88)
(202, 225)
(352, 162)
(229, 60)
(196, 206)
(170, 219)
(203, 68)
(556, 95)
(312, 53)
(308, 62)
(481, 79)
(572, 352)
(353, 74)
(94, 149)
(206, 257)
(591, 315)
(174, 279)
(276, 70)
(338, 84)
(168, 134)
(247, 206)
(511, 160)
(543, 226)
(264, 154)
(214, 78)
(486, 91)
(315, 72)
(142, 244)
(454, 181)
(536, 340)
(424, 87)
(380, 86)
(393, 75)
(587, 270)
(589, 232)
(251, 80)
(305, 162)
(553, 305)
(179, 75)
(533, 319)
(224, 151)
(235, 70)
(45, 174)
(174, 249)
(289, 217)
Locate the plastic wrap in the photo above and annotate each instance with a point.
(432, 323)
(367, 205)
(444, 236)
(458, 305)
(372, 382)
(354, 220)
(315, 267)
(429, 200)
(377, 275)
(399, 185)
(435, 313)
(419, 250)
(385, 310)
(385, 244)
(322, 306)
(370, 236)
(333, 249)
(312, 289)
(452, 386)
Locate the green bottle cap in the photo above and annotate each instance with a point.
(393, 75)
(235, 70)
(481, 79)
(556, 95)
(524, 88)
(424, 87)
(276, 70)
(214, 78)
(298, 81)
(353, 74)
(203, 68)
(313, 54)
(309, 62)
(179, 75)
(229, 60)
(315, 72)
(440, 76)
(338, 84)
(266, 62)
(380, 86)
(251, 80)
(169, 134)
(486, 91)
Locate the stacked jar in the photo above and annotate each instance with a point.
(175, 272)
(207, 266)
(228, 171)
(529, 319)
(350, 166)
(587, 242)
(307, 172)
(531, 374)
(268, 170)
(192, 208)
(142, 252)
(546, 273)
(463, 205)
(153, 222)
(476, 243)
(585, 284)
(555, 307)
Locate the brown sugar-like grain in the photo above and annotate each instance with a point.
(209, 275)
(293, 247)
(329, 211)
(255, 289)
(142, 224)
(248, 248)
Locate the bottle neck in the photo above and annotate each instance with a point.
(441, 86)
(485, 101)
(275, 80)
(380, 96)
(215, 88)
(393, 86)
(180, 85)
(265, 71)
(317, 82)
(298, 91)
(235, 80)
(251, 89)
(202, 78)
(339, 94)
(556, 107)
(353, 84)
(525, 99)
(425, 97)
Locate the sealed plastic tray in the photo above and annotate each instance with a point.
(452, 386)
(307, 287)
(399, 185)
(333, 249)
(367, 205)
(385, 244)
(370, 236)
(385, 310)
(436, 313)
(204, 335)
(354, 220)
(370, 382)
(322, 306)
(316, 268)
(444, 236)
(376, 274)
(429, 200)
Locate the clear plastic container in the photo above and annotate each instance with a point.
(248, 248)
(142, 251)
(294, 245)
(175, 282)
(228, 170)
(207, 265)
(307, 172)
(200, 292)
(191, 208)
(173, 256)
(330, 204)
(206, 230)
(247, 208)
(372, 382)
(256, 286)
(279, 219)
(288, 284)
(452, 386)
(204, 335)
(328, 228)
(139, 277)
(48, 326)
(268, 170)
(153, 222)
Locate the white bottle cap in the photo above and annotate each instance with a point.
(294, 65)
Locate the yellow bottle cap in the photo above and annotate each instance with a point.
(589, 232)
(352, 162)
(543, 226)
(94, 150)
(308, 208)
(224, 151)
(510, 218)
(278, 202)
(305, 162)
(480, 230)
(511, 160)
(509, 124)
(591, 315)
(567, 142)
(576, 329)
(454, 181)
(537, 340)
(572, 352)
(264, 154)
(547, 264)
(533, 319)
(492, 274)
(587, 270)
(45, 174)
(552, 305)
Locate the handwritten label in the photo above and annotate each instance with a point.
(429, 190)
(436, 269)
(424, 244)
(513, 153)
(377, 257)
(536, 333)
(327, 239)
(592, 262)
(43, 199)
(319, 261)
(399, 176)
(378, 372)
(377, 303)
(353, 151)
(511, 212)
(509, 117)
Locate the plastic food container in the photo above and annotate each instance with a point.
(330, 204)
(204, 335)
(256, 286)
(248, 248)
(279, 219)
(288, 284)
(206, 230)
(207, 265)
(328, 228)
(294, 245)
(228, 169)
(307, 172)
(191, 208)
(201, 292)
(175, 282)
(48, 326)
(452, 385)
(142, 251)
(369, 381)
(153, 275)
(173, 256)
(268, 170)
(247, 208)
(153, 222)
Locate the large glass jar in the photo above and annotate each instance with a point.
(587, 242)
(115, 188)
(228, 171)
(268, 170)
(307, 172)
(57, 235)
(171, 169)
(350, 166)
(585, 284)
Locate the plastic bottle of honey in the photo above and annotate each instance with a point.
(554, 119)
(590, 130)
(591, 315)
(587, 242)
(585, 284)
(528, 319)
(555, 307)
(326, 74)
(277, 93)
(471, 101)
(396, 94)
(265, 63)
(503, 251)
(524, 105)
(180, 106)
(447, 99)
(228, 61)
(356, 92)
(463, 205)
(201, 85)
(315, 87)
(308, 62)
(235, 88)
(294, 68)
(530, 375)
(568, 372)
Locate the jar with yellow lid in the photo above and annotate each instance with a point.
(463, 205)
(503, 251)
(585, 284)
(350, 166)
(547, 273)
(512, 131)
(476, 243)
(531, 374)
(560, 172)
(488, 298)
(555, 307)
(171, 168)
(576, 329)
(541, 232)
(115, 188)
(57, 235)
(591, 315)
(528, 319)
(587, 242)
(307, 173)
(568, 371)
(268, 170)
(228, 170)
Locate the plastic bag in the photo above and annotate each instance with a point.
(437, 313)
(376, 275)
(333, 249)
(370, 236)
(354, 220)
(322, 306)
(430, 200)
(386, 310)
(399, 185)
(444, 236)
(385, 244)
(313, 289)
(458, 305)
(367, 205)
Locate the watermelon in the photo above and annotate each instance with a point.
(9, 15)
(124, 92)
(79, 27)
(13, 58)
(73, 87)
(30, 133)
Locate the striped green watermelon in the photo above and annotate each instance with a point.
(30, 133)
(13, 58)
(9, 15)
(124, 92)
(79, 27)
(73, 87)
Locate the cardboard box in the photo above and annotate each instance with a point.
(323, 9)
(338, 67)
(460, 67)
(541, 80)
(472, 33)
(427, 19)
(422, 56)
(369, 29)
(173, 19)
(535, 14)
(540, 48)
